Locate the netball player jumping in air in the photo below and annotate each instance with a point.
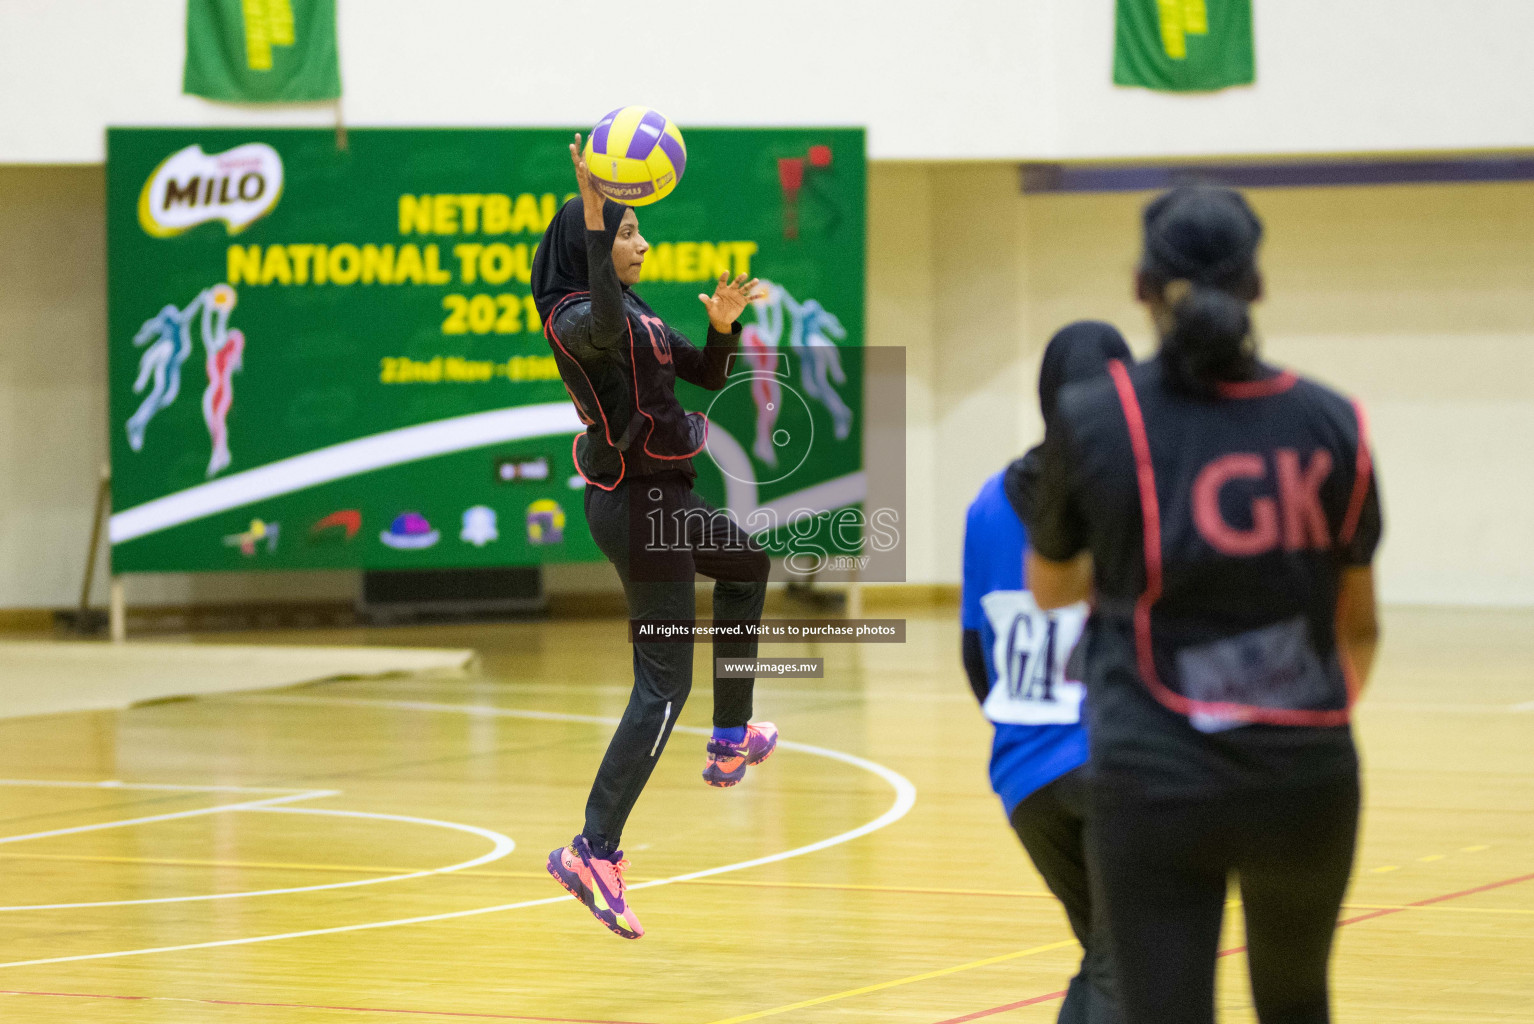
(1223, 515)
(1020, 665)
(620, 363)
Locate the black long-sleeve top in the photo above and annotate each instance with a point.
(620, 362)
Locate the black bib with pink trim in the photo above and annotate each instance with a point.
(1245, 503)
(626, 397)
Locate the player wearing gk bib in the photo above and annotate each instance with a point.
(1020, 665)
(619, 363)
(1223, 515)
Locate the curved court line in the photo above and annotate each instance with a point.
(503, 845)
(905, 799)
(905, 791)
(160, 786)
(171, 816)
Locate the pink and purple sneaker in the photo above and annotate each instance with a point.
(597, 882)
(728, 761)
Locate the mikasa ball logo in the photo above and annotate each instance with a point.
(190, 187)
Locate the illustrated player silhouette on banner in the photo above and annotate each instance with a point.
(225, 355)
(166, 339)
(760, 341)
(813, 334)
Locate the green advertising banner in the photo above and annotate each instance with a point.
(327, 359)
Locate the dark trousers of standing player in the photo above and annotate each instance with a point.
(1052, 822)
(659, 534)
(1162, 867)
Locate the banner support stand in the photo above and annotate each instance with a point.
(342, 145)
(117, 613)
(84, 619)
(855, 600)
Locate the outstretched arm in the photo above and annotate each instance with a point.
(607, 318)
(710, 367)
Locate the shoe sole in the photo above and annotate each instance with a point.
(584, 901)
(724, 781)
(729, 783)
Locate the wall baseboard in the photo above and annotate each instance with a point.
(910, 595)
(588, 604)
(180, 618)
(26, 620)
(204, 618)
(584, 604)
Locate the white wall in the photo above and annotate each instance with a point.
(962, 79)
(1333, 76)
(52, 377)
(1418, 300)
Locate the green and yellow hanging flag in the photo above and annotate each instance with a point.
(1184, 45)
(262, 51)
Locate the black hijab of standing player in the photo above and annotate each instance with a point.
(1077, 352)
(1223, 515)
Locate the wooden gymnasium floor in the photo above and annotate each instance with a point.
(344, 852)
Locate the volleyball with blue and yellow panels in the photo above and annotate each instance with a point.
(636, 156)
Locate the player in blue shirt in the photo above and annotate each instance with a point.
(1019, 664)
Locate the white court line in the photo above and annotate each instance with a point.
(905, 791)
(247, 805)
(905, 798)
(1527, 705)
(116, 784)
(503, 846)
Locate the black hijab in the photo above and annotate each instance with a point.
(559, 266)
(1078, 351)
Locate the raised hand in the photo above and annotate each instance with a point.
(729, 301)
(591, 199)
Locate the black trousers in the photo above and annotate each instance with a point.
(1162, 868)
(1052, 823)
(659, 534)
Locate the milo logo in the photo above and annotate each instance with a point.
(190, 187)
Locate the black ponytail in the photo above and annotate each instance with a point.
(1201, 257)
(1211, 337)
